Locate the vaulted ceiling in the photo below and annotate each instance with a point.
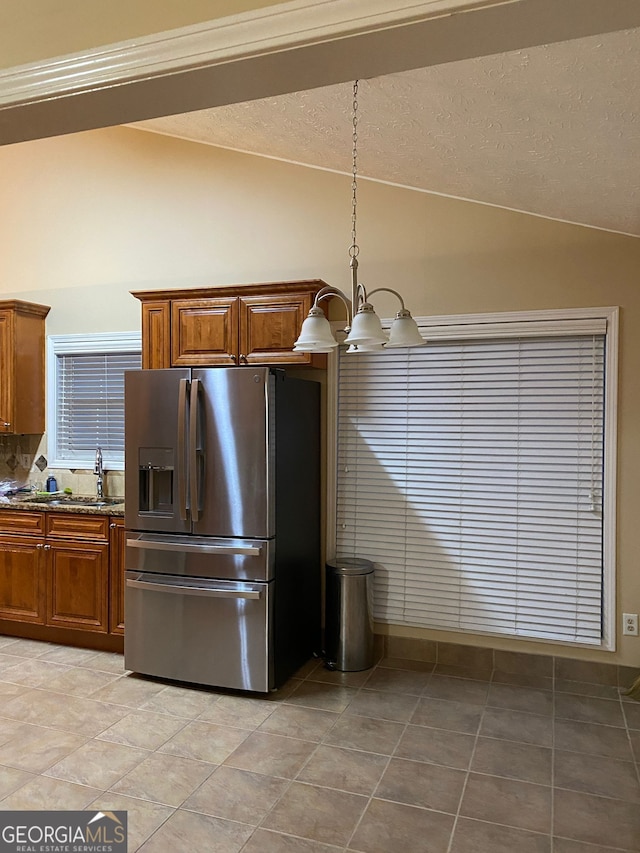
(552, 130)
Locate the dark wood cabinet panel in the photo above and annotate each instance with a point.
(156, 335)
(77, 575)
(22, 336)
(204, 332)
(22, 580)
(269, 327)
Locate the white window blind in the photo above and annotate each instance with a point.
(87, 407)
(471, 473)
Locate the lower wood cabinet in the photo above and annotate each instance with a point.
(22, 567)
(22, 580)
(77, 569)
(77, 575)
(62, 570)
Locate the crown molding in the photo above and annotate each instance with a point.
(293, 46)
(262, 31)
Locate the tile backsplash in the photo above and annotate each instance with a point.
(18, 457)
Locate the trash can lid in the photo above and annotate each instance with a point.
(350, 566)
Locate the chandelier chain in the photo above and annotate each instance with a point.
(355, 249)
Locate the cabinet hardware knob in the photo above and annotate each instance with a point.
(40, 546)
(232, 356)
(244, 359)
(47, 547)
(113, 526)
(6, 424)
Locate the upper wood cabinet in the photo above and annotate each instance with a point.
(204, 332)
(231, 325)
(22, 367)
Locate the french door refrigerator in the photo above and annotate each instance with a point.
(222, 475)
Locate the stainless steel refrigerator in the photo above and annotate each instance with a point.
(222, 469)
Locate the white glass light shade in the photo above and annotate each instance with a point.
(404, 331)
(315, 334)
(366, 328)
(313, 347)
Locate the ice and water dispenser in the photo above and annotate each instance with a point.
(155, 479)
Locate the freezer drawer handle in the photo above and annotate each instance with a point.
(188, 548)
(210, 592)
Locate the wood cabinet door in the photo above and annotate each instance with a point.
(22, 582)
(78, 574)
(22, 337)
(204, 332)
(117, 543)
(269, 327)
(156, 335)
(6, 372)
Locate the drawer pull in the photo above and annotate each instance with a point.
(188, 548)
(185, 589)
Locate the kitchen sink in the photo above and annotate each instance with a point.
(71, 500)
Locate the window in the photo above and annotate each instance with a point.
(477, 473)
(85, 397)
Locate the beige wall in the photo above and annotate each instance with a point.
(31, 30)
(87, 218)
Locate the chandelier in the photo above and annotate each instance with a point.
(364, 332)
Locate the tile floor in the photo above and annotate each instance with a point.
(398, 758)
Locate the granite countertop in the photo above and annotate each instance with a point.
(90, 504)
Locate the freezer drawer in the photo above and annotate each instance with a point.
(201, 556)
(198, 630)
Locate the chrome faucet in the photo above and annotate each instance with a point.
(99, 470)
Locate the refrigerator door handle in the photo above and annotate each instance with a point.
(209, 592)
(182, 448)
(195, 548)
(195, 457)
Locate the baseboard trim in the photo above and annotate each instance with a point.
(545, 672)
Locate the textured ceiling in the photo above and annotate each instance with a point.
(552, 130)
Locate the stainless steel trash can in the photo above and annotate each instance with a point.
(349, 614)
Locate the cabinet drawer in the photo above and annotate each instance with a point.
(15, 521)
(62, 525)
(171, 619)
